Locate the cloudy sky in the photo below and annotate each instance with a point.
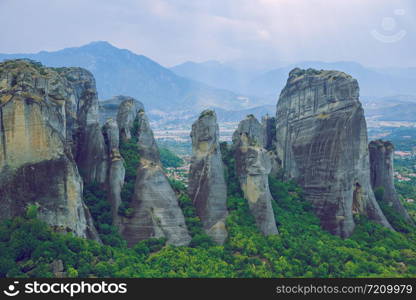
(372, 32)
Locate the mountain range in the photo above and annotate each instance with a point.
(120, 71)
(268, 84)
(231, 88)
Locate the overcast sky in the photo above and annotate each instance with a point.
(372, 32)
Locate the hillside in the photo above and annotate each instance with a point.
(120, 71)
(267, 84)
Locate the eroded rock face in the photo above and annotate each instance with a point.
(90, 151)
(253, 165)
(268, 124)
(321, 139)
(381, 162)
(207, 187)
(36, 163)
(156, 212)
(126, 114)
(116, 169)
(109, 108)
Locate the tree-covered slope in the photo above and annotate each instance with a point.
(302, 249)
(120, 71)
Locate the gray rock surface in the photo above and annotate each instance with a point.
(36, 162)
(126, 114)
(382, 176)
(90, 151)
(207, 188)
(268, 124)
(116, 169)
(109, 108)
(253, 165)
(156, 212)
(321, 136)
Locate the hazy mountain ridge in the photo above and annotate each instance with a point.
(120, 71)
(373, 82)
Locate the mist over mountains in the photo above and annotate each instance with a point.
(268, 84)
(120, 71)
(233, 89)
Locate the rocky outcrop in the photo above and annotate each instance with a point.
(156, 212)
(207, 187)
(116, 169)
(268, 124)
(89, 146)
(125, 116)
(109, 108)
(381, 163)
(321, 139)
(36, 162)
(253, 165)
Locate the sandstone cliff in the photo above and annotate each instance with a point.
(207, 187)
(90, 152)
(109, 108)
(253, 165)
(268, 124)
(381, 163)
(126, 114)
(116, 169)
(36, 162)
(321, 138)
(156, 212)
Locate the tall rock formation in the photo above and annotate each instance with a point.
(207, 187)
(126, 114)
(116, 169)
(36, 162)
(321, 137)
(253, 165)
(381, 163)
(268, 124)
(90, 151)
(109, 108)
(156, 212)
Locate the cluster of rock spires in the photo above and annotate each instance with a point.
(51, 143)
(321, 142)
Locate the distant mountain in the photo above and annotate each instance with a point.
(217, 74)
(395, 108)
(373, 82)
(186, 118)
(120, 71)
(400, 112)
(238, 115)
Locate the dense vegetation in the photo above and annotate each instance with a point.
(169, 159)
(178, 147)
(96, 200)
(128, 150)
(302, 248)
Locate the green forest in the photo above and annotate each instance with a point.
(302, 248)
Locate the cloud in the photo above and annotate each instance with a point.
(178, 30)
